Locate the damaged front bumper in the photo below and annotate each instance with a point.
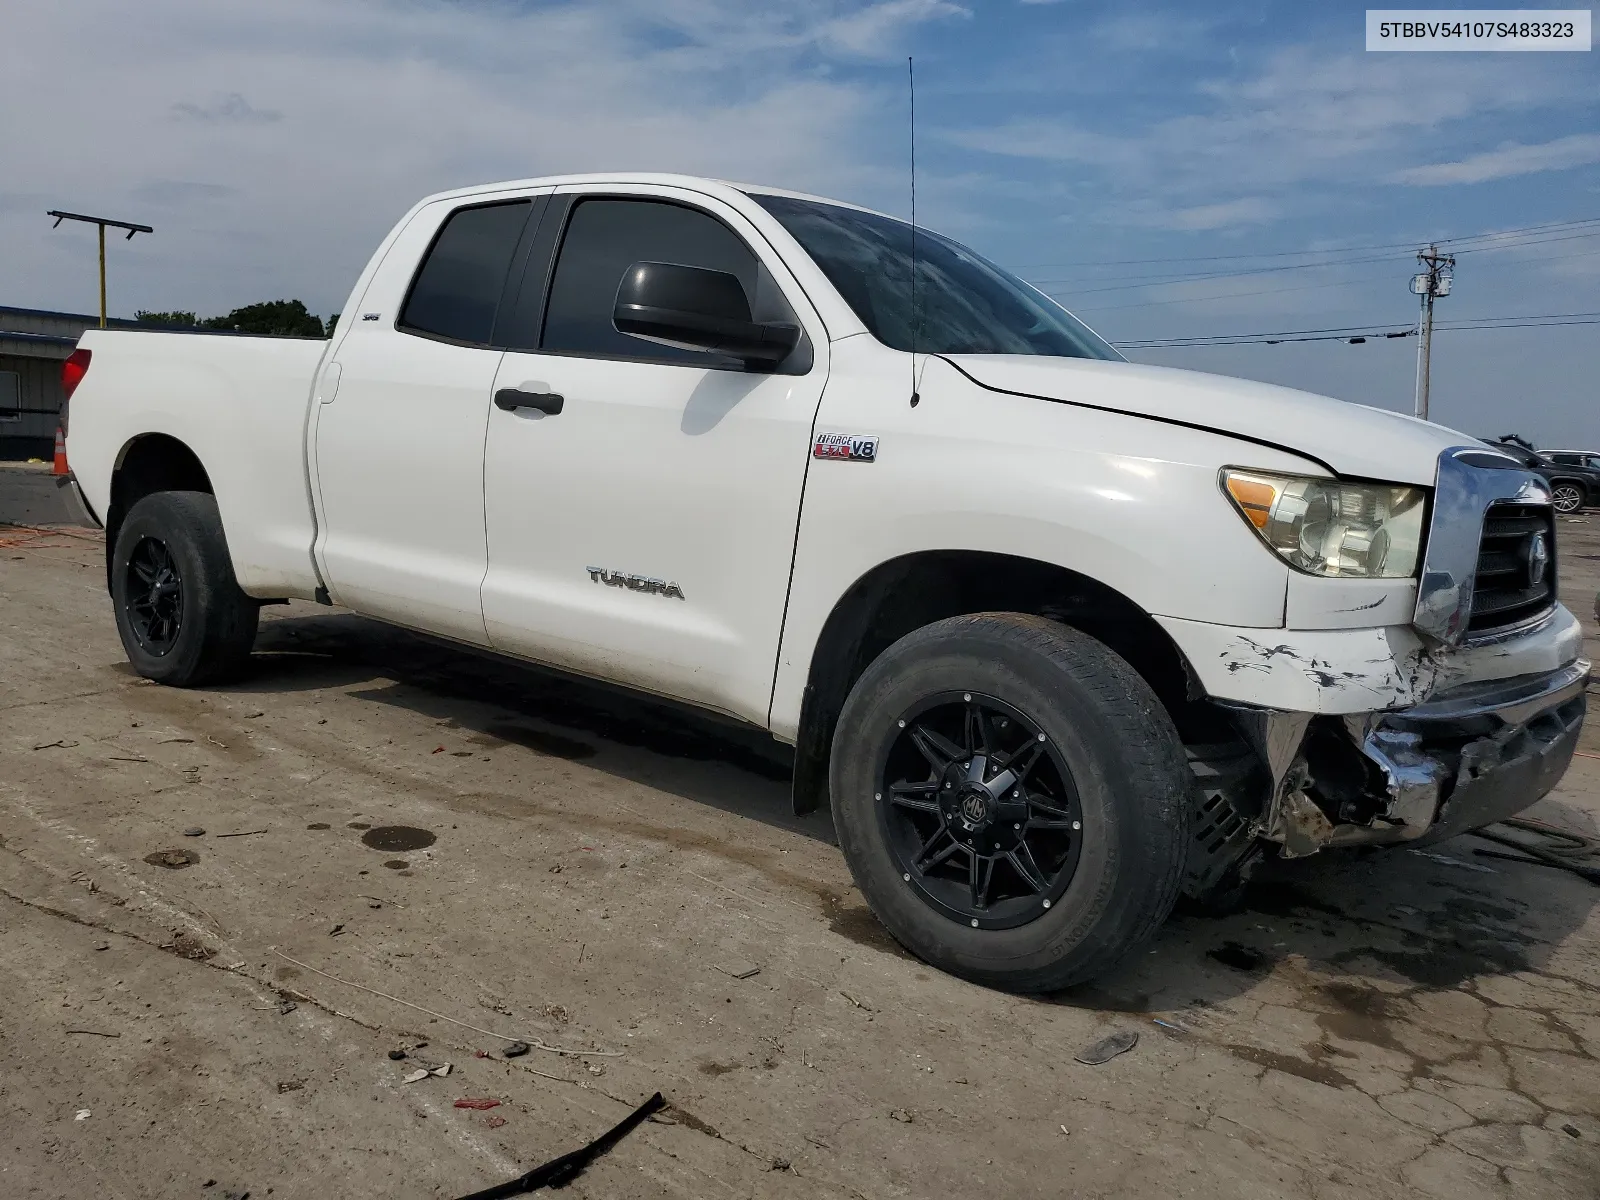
(1466, 757)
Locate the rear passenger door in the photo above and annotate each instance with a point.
(645, 531)
(400, 417)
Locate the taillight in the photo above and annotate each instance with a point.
(73, 371)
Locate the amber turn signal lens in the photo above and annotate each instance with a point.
(1254, 497)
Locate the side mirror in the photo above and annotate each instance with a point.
(697, 309)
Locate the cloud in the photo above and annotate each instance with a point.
(1298, 118)
(1250, 210)
(173, 192)
(1507, 161)
(231, 107)
(314, 126)
(873, 31)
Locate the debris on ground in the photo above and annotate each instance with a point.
(739, 969)
(1454, 862)
(1239, 957)
(1543, 844)
(95, 1032)
(336, 930)
(1570, 1129)
(83, 1115)
(186, 945)
(561, 1171)
(63, 743)
(243, 833)
(285, 1007)
(173, 860)
(904, 1116)
(102, 945)
(494, 1122)
(481, 1103)
(515, 1050)
(194, 831)
(290, 1085)
(1108, 1048)
(779, 1164)
(397, 1055)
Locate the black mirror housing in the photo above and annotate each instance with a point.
(693, 308)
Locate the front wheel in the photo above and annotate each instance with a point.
(1012, 799)
(1567, 497)
(180, 612)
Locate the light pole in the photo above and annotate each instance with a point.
(102, 222)
(1434, 281)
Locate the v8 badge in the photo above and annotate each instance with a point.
(849, 447)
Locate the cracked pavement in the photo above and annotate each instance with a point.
(1394, 1024)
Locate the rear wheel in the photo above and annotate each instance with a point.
(1012, 799)
(1567, 497)
(180, 612)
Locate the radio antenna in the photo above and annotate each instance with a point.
(911, 82)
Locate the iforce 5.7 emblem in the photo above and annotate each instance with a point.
(850, 447)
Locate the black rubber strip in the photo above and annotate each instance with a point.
(1122, 412)
(559, 1172)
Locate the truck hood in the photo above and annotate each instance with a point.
(1351, 439)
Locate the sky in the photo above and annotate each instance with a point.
(1165, 170)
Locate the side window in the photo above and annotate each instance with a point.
(457, 288)
(604, 238)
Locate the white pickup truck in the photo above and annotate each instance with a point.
(1059, 636)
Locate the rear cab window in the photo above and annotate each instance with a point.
(457, 288)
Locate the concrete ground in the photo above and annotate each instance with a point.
(598, 871)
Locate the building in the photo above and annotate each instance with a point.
(33, 345)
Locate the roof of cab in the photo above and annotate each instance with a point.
(727, 189)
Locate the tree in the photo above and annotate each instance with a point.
(145, 317)
(282, 318)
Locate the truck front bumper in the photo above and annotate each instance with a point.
(1456, 740)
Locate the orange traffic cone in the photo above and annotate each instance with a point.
(59, 467)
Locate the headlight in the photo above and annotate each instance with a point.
(1340, 530)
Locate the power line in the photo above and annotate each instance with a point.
(1345, 333)
(1139, 281)
(1065, 297)
(1406, 245)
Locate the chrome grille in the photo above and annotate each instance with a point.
(1505, 593)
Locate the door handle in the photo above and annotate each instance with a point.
(512, 399)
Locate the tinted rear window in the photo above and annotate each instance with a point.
(458, 286)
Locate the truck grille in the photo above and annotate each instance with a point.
(1505, 593)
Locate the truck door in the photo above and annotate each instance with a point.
(397, 446)
(641, 527)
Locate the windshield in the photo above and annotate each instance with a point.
(965, 304)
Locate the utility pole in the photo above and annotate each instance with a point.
(102, 222)
(1433, 281)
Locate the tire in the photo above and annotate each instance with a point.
(1569, 497)
(1103, 735)
(180, 612)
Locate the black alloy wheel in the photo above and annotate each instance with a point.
(154, 596)
(980, 810)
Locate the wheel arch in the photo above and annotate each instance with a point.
(149, 463)
(908, 592)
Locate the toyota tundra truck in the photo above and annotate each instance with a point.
(1060, 638)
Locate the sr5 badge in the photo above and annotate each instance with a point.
(850, 447)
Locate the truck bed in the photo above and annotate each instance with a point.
(240, 404)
